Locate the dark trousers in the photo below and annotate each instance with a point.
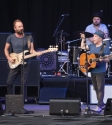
(98, 81)
(13, 74)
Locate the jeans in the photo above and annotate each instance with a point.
(13, 74)
(98, 81)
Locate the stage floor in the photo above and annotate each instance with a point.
(41, 117)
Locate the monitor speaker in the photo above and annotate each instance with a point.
(1, 109)
(108, 107)
(14, 104)
(3, 38)
(65, 107)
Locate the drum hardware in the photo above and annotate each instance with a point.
(61, 66)
(108, 42)
(73, 63)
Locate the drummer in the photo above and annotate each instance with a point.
(95, 26)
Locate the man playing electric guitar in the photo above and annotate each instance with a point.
(19, 41)
(98, 72)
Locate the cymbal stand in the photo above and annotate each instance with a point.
(61, 66)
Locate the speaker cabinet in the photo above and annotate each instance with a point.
(47, 93)
(1, 109)
(65, 107)
(14, 103)
(108, 107)
(33, 76)
(3, 38)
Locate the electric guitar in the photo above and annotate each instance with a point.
(18, 57)
(91, 61)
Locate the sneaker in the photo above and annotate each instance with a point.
(103, 107)
(98, 109)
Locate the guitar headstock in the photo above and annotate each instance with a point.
(53, 48)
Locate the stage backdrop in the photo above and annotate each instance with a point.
(42, 17)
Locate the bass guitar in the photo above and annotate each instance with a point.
(18, 57)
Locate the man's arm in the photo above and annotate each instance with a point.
(32, 51)
(6, 51)
(83, 44)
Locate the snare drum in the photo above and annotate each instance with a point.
(74, 54)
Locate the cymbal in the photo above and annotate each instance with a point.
(63, 33)
(87, 34)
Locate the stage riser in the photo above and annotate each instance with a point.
(77, 87)
(32, 91)
(47, 93)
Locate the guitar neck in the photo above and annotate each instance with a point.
(97, 59)
(36, 54)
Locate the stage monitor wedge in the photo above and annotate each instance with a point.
(108, 107)
(1, 110)
(65, 107)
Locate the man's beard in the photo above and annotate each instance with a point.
(96, 24)
(20, 32)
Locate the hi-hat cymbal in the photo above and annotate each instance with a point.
(87, 34)
(63, 33)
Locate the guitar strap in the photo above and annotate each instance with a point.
(28, 41)
(102, 49)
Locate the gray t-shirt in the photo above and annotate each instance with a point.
(17, 43)
(91, 29)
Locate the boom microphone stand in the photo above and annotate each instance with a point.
(58, 25)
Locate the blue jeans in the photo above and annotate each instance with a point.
(98, 81)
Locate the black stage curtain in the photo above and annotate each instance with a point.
(41, 17)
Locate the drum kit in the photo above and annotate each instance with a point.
(70, 59)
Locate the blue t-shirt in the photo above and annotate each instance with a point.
(17, 43)
(101, 66)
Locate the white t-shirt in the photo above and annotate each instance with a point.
(91, 29)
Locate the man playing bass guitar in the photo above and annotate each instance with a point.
(98, 72)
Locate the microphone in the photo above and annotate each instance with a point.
(109, 25)
(65, 15)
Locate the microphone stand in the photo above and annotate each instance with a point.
(58, 26)
(87, 109)
(22, 72)
(55, 33)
